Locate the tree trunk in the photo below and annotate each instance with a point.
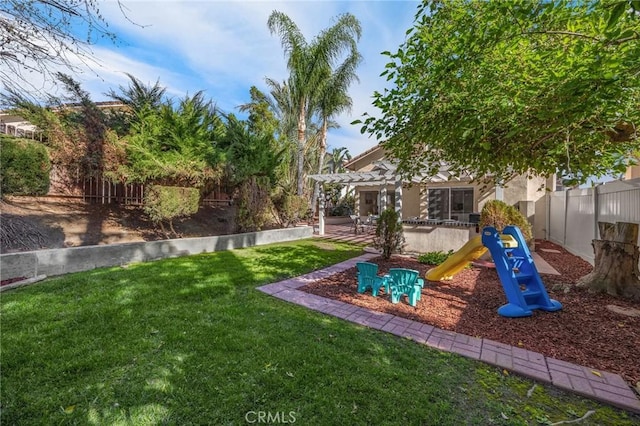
(321, 154)
(615, 268)
(302, 130)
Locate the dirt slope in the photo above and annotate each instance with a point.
(34, 223)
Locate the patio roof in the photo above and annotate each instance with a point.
(385, 172)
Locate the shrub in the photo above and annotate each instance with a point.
(499, 214)
(389, 237)
(434, 257)
(345, 206)
(24, 167)
(291, 208)
(166, 203)
(253, 204)
(341, 210)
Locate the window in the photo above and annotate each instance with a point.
(369, 197)
(438, 203)
(370, 202)
(450, 203)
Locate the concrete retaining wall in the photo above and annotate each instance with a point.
(63, 261)
(337, 220)
(421, 238)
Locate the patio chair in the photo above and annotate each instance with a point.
(355, 219)
(369, 224)
(368, 278)
(405, 281)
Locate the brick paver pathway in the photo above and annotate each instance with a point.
(600, 385)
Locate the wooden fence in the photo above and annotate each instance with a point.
(101, 191)
(97, 190)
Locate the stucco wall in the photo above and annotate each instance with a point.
(528, 195)
(411, 202)
(337, 220)
(364, 161)
(632, 172)
(427, 238)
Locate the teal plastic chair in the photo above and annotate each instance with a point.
(405, 281)
(368, 278)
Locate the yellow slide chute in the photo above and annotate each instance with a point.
(459, 260)
(469, 252)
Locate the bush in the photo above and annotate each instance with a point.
(434, 257)
(499, 214)
(345, 207)
(166, 203)
(291, 208)
(389, 237)
(24, 167)
(341, 210)
(253, 204)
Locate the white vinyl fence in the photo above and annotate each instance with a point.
(574, 214)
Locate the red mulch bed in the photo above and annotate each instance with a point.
(11, 280)
(584, 332)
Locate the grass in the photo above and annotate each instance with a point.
(190, 341)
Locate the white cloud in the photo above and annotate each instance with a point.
(224, 47)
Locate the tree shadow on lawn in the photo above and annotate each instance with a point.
(187, 340)
(129, 342)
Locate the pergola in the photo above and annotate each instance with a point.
(17, 126)
(382, 174)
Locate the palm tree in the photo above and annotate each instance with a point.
(310, 65)
(333, 101)
(335, 164)
(281, 102)
(335, 161)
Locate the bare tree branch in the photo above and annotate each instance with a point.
(39, 38)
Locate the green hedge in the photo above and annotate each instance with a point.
(170, 202)
(24, 167)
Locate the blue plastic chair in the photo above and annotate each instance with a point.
(368, 278)
(405, 281)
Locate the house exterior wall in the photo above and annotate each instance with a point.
(525, 192)
(632, 172)
(367, 200)
(480, 194)
(364, 162)
(528, 195)
(411, 198)
(428, 238)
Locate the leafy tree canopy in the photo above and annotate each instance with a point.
(509, 87)
(261, 118)
(136, 97)
(174, 145)
(249, 154)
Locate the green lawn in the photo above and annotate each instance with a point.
(191, 341)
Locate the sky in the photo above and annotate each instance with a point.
(225, 47)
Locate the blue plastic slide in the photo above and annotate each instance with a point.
(518, 273)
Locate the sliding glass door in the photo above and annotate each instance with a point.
(450, 203)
